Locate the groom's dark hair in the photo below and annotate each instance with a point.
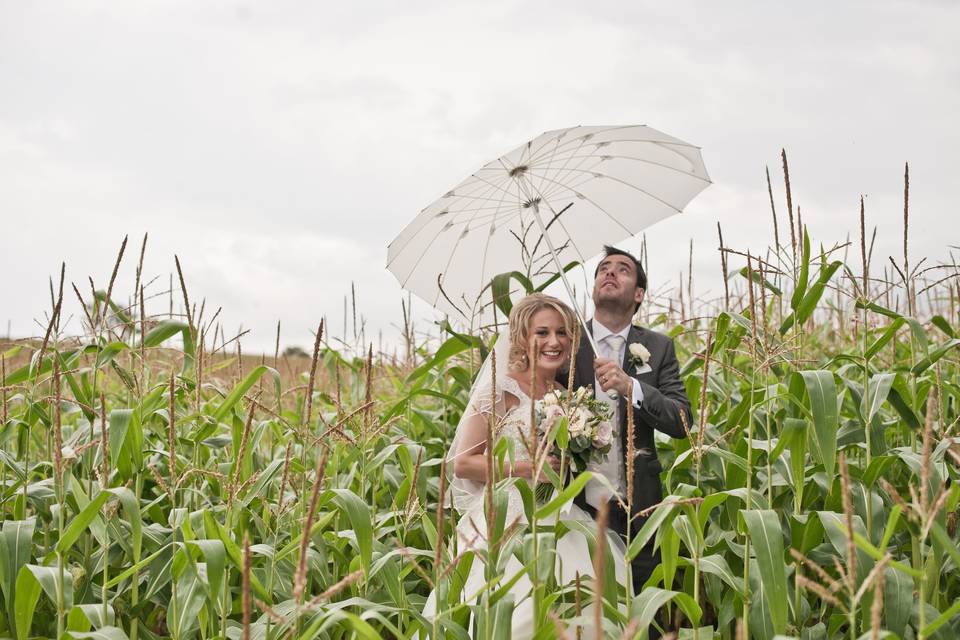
(613, 251)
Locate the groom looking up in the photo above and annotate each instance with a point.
(651, 375)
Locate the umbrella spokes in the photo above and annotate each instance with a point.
(515, 213)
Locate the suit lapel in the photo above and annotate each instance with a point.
(585, 359)
(635, 334)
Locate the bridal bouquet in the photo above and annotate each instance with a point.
(581, 426)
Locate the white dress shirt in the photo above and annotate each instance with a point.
(613, 468)
(600, 332)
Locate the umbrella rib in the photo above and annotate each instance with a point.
(579, 139)
(556, 218)
(568, 186)
(643, 160)
(484, 187)
(424, 219)
(561, 175)
(425, 250)
(609, 215)
(558, 172)
(486, 247)
(636, 188)
(556, 148)
(673, 141)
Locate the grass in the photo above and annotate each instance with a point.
(156, 482)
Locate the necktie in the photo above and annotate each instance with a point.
(614, 343)
(612, 467)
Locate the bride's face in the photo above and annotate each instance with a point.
(548, 334)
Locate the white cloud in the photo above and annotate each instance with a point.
(277, 148)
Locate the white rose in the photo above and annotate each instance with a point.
(578, 423)
(553, 413)
(639, 352)
(604, 437)
(551, 399)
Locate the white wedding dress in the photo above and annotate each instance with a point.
(572, 551)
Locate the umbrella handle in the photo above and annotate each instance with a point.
(612, 394)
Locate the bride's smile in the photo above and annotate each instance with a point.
(549, 339)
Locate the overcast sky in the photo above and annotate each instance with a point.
(278, 147)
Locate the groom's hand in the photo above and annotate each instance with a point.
(611, 376)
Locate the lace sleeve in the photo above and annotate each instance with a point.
(485, 400)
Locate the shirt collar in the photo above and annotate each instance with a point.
(600, 332)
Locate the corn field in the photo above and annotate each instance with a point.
(157, 485)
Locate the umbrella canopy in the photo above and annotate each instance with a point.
(557, 198)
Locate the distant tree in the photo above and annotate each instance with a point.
(295, 352)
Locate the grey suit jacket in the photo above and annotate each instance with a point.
(664, 399)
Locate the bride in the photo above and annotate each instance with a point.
(537, 347)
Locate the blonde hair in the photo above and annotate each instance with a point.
(520, 317)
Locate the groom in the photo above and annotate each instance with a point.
(651, 374)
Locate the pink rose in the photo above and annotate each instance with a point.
(604, 437)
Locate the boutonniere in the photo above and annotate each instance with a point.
(639, 355)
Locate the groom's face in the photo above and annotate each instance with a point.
(616, 283)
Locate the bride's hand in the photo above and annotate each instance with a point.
(554, 463)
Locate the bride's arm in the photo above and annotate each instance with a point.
(471, 454)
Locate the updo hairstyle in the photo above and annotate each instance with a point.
(520, 317)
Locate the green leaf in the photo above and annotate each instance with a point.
(81, 521)
(897, 601)
(717, 565)
(810, 300)
(877, 390)
(358, 512)
(941, 323)
(549, 281)
(763, 527)
(125, 442)
(448, 349)
(215, 555)
(942, 539)
(821, 391)
(572, 490)
(934, 355)
(103, 633)
(16, 549)
(258, 488)
(661, 517)
(108, 352)
(83, 617)
(30, 581)
(88, 514)
(25, 602)
(238, 392)
(761, 281)
(165, 330)
(900, 398)
(99, 297)
(941, 620)
(884, 338)
(804, 277)
(919, 334)
(500, 286)
(217, 530)
(183, 610)
(645, 606)
(360, 627)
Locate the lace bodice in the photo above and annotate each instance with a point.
(511, 424)
(514, 424)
